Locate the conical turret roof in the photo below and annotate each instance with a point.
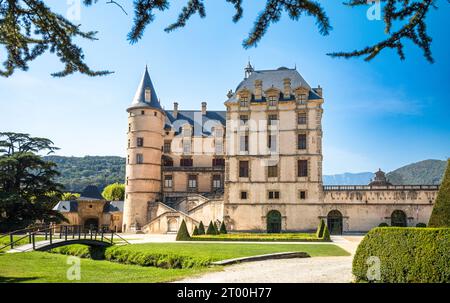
(139, 99)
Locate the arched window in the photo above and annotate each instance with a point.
(148, 95)
(172, 225)
(398, 218)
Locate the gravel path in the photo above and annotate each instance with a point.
(308, 270)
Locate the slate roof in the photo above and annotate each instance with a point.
(113, 206)
(139, 97)
(66, 206)
(274, 78)
(202, 123)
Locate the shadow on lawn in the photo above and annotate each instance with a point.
(16, 279)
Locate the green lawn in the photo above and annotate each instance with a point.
(50, 267)
(6, 240)
(222, 251)
(46, 267)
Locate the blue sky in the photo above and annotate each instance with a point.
(385, 113)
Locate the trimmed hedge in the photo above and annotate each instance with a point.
(440, 216)
(82, 251)
(320, 229)
(383, 224)
(223, 228)
(412, 255)
(195, 232)
(258, 237)
(212, 230)
(326, 234)
(421, 225)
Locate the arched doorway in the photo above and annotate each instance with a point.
(273, 221)
(91, 224)
(334, 222)
(172, 225)
(398, 218)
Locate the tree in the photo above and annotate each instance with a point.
(114, 192)
(320, 229)
(195, 232)
(27, 190)
(183, 233)
(223, 228)
(440, 216)
(201, 228)
(211, 229)
(69, 196)
(30, 28)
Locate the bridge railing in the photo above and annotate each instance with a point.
(66, 232)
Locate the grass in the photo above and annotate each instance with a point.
(48, 267)
(44, 267)
(286, 237)
(6, 240)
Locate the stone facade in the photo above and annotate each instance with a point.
(257, 166)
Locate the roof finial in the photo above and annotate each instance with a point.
(248, 69)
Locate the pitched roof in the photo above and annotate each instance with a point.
(202, 124)
(66, 206)
(139, 97)
(113, 206)
(274, 78)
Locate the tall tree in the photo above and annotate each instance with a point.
(440, 216)
(27, 189)
(29, 28)
(114, 192)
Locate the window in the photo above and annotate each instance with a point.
(192, 181)
(243, 119)
(301, 141)
(302, 195)
(168, 181)
(301, 98)
(301, 118)
(128, 159)
(219, 147)
(217, 181)
(186, 162)
(155, 114)
(272, 142)
(139, 158)
(244, 102)
(272, 101)
(218, 162)
(167, 161)
(272, 171)
(273, 119)
(167, 146)
(186, 146)
(302, 168)
(140, 141)
(127, 181)
(243, 195)
(186, 132)
(147, 95)
(243, 169)
(274, 195)
(129, 143)
(142, 112)
(129, 127)
(243, 144)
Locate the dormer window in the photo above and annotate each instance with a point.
(147, 95)
(301, 98)
(244, 102)
(272, 101)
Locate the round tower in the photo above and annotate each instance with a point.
(146, 121)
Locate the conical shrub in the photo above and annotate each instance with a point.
(320, 229)
(326, 234)
(183, 233)
(201, 228)
(440, 216)
(223, 228)
(195, 232)
(211, 229)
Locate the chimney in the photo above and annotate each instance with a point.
(318, 90)
(287, 88)
(203, 108)
(258, 89)
(175, 109)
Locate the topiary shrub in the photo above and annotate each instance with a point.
(440, 216)
(326, 234)
(223, 228)
(183, 233)
(406, 255)
(383, 224)
(195, 232)
(320, 228)
(421, 225)
(201, 228)
(211, 229)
